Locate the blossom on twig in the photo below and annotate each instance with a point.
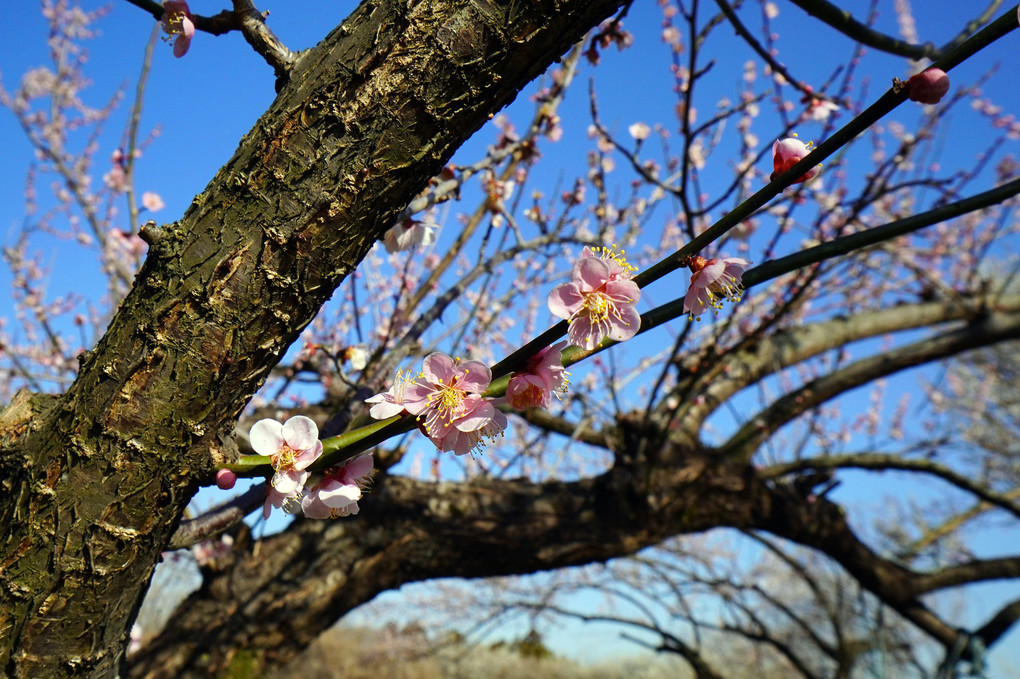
(788, 152)
(178, 25)
(599, 300)
(407, 234)
(712, 279)
(446, 398)
(543, 374)
(291, 448)
(338, 492)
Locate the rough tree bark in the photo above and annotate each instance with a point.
(96, 480)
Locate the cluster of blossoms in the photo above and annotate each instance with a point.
(292, 447)
(711, 280)
(177, 24)
(609, 32)
(599, 301)
(446, 398)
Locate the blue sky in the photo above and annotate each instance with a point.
(203, 103)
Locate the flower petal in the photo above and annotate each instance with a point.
(358, 468)
(695, 301)
(290, 482)
(300, 432)
(479, 415)
(708, 276)
(565, 299)
(340, 494)
(438, 368)
(623, 291)
(383, 411)
(474, 376)
(627, 325)
(590, 273)
(266, 437)
(307, 456)
(584, 334)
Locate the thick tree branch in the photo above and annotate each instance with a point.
(367, 117)
(823, 525)
(880, 462)
(744, 367)
(1000, 623)
(994, 327)
(413, 531)
(978, 570)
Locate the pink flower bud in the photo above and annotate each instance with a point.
(225, 479)
(928, 86)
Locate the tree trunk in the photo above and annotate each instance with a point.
(95, 481)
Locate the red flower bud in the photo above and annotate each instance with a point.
(928, 86)
(225, 479)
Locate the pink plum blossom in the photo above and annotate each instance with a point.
(598, 301)
(460, 438)
(788, 152)
(407, 234)
(928, 86)
(391, 401)
(712, 278)
(152, 202)
(543, 374)
(291, 447)
(446, 398)
(818, 109)
(285, 501)
(178, 25)
(116, 179)
(338, 492)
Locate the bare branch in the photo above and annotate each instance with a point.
(882, 462)
(992, 328)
